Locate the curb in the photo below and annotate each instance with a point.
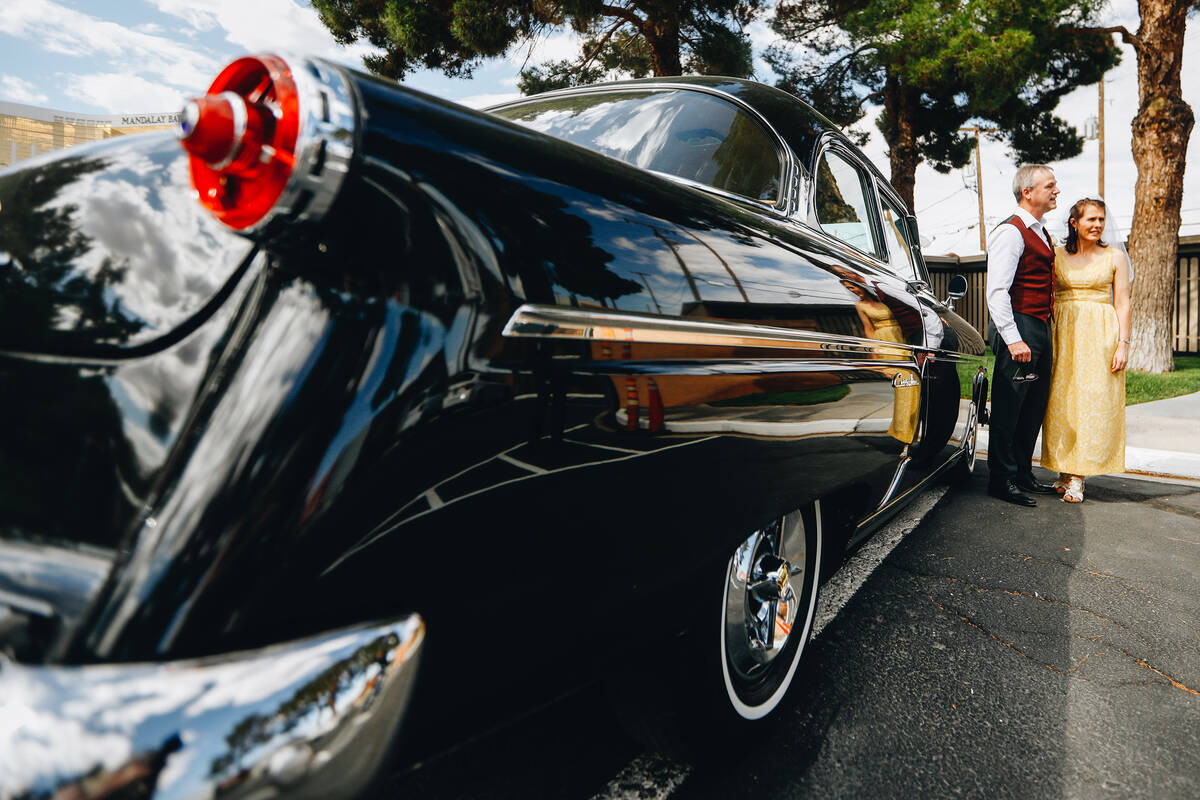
(1138, 460)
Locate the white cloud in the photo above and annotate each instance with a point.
(271, 25)
(20, 91)
(194, 14)
(485, 100)
(118, 92)
(556, 46)
(71, 33)
(760, 33)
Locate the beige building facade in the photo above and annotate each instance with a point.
(26, 131)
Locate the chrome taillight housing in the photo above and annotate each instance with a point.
(273, 137)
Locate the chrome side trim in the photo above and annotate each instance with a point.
(895, 484)
(311, 718)
(557, 322)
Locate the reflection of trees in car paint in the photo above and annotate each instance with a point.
(900, 255)
(109, 249)
(42, 290)
(55, 479)
(748, 164)
(841, 202)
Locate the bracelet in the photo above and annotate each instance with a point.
(1126, 341)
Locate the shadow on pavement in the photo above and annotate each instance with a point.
(1003, 651)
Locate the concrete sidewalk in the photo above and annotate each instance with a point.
(1162, 438)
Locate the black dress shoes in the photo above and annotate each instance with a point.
(1031, 484)
(1012, 493)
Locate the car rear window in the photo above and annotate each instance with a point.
(689, 134)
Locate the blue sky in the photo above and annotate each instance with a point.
(131, 56)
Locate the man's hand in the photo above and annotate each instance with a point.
(1020, 352)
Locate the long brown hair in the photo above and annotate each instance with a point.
(1072, 244)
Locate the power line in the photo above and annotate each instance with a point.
(944, 199)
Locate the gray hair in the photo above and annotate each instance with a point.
(1026, 178)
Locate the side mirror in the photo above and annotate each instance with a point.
(956, 290)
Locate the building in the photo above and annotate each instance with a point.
(26, 131)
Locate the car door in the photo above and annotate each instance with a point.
(845, 206)
(949, 339)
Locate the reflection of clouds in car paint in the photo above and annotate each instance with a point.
(41, 730)
(632, 130)
(642, 137)
(285, 345)
(152, 394)
(402, 327)
(65, 577)
(141, 214)
(111, 714)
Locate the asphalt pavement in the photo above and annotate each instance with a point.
(999, 651)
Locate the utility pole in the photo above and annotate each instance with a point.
(979, 191)
(978, 185)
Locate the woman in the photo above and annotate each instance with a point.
(1084, 429)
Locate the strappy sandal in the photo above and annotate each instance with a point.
(1074, 490)
(1060, 485)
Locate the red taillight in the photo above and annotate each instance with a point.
(242, 139)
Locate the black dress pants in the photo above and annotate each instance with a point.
(1018, 406)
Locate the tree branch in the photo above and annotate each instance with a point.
(623, 13)
(590, 57)
(1126, 36)
(849, 55)
(872, 97)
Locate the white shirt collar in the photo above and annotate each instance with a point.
(1029, 219)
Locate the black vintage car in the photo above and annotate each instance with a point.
(599, 383)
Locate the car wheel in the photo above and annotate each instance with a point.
(734, 664)
(965, 466)
(767, 606)
(962, 469)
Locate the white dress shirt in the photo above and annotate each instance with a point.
(1004, 248)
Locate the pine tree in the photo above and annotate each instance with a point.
(934, 65)
(635, 37)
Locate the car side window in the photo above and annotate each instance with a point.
(693, 135)
(840, 202)
(900, 255)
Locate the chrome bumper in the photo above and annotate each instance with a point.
(312, 718)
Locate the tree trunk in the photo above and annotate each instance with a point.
(902, 106)
(662, 34)
(1160, 138)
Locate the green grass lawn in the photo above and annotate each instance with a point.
(1140, 387)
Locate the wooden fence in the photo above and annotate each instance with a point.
(973, 307)
(1187, 297)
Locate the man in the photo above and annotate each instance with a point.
(1020, 296)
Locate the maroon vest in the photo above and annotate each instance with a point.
(1032, 289)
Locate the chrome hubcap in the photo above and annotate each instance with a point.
(971, 434)
(761, 605)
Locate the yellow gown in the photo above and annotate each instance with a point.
(1084, 428)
